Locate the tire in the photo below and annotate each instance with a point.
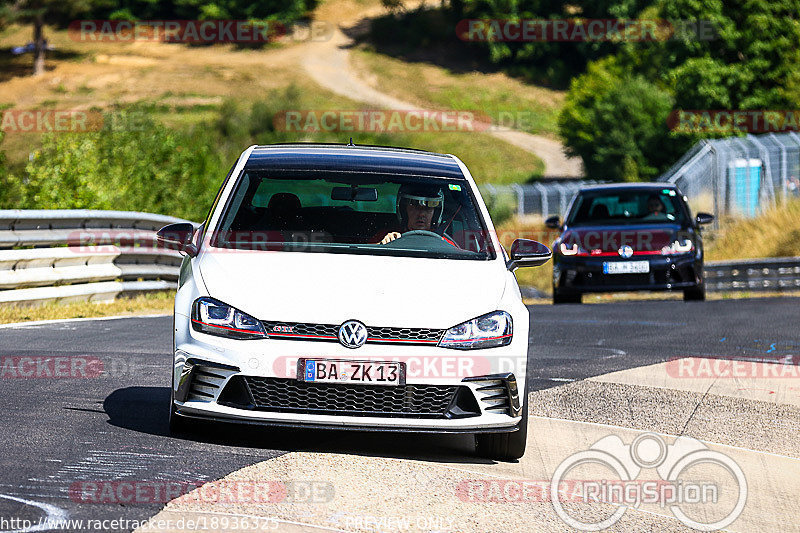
(504, 446)
(559, 298)
(696, 294)
(177, 424)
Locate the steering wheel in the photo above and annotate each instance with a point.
(421, 232)
(427, 233)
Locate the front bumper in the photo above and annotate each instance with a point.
(209, 373)
(575, 275)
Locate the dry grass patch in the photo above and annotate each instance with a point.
(146, 304)
(188, 83)
(775, 233)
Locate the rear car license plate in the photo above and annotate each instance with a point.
(355, 372)
(626, 267)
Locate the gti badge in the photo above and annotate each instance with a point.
(626, 251)
(352, 334)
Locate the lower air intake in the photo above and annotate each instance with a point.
(411, 401)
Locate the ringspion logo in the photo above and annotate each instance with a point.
(689, 475)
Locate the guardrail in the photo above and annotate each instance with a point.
(72, 255)
(778, 274)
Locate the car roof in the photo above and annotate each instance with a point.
(315, 157)
(645, 186)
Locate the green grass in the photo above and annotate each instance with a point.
(495, 95)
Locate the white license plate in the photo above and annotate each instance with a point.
(626, 267)
(344, 371)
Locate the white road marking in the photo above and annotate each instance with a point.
(34, 323)
(598, 424)
(54, 515)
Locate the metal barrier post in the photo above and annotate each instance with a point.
(520, 199)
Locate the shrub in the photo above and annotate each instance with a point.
(133, 163)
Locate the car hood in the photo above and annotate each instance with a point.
(332, 288)
(609, 239)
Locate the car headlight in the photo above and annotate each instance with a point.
(678, 247)
(487, 331)
(216, 318)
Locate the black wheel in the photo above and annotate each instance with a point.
(504, 446)
(559, 298)
(695, 294)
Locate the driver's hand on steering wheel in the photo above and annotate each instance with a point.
(390, 237)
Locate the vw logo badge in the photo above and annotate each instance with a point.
(353, 334)
(626, 251)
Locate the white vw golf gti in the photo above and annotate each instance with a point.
(352, 287)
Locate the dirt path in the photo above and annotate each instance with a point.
(328, 63)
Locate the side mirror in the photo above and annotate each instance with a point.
(553, 223)
(703, 218)
(177, 237)
(527, 253)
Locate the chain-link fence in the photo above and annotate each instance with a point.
(544, 199)
(739, 176)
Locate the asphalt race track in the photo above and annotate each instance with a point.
(113, 426)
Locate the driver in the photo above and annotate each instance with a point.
(419, 207)
(655, 207)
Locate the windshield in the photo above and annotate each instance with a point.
(376, 215)
(646, 206)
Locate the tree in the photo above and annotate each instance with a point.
(548, 62)
(750, 62)
(617, 123)
(753, 63)
(42, 12)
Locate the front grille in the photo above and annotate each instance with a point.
(404, 334)
(293, 396)
(329, 333)
(301, 330)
